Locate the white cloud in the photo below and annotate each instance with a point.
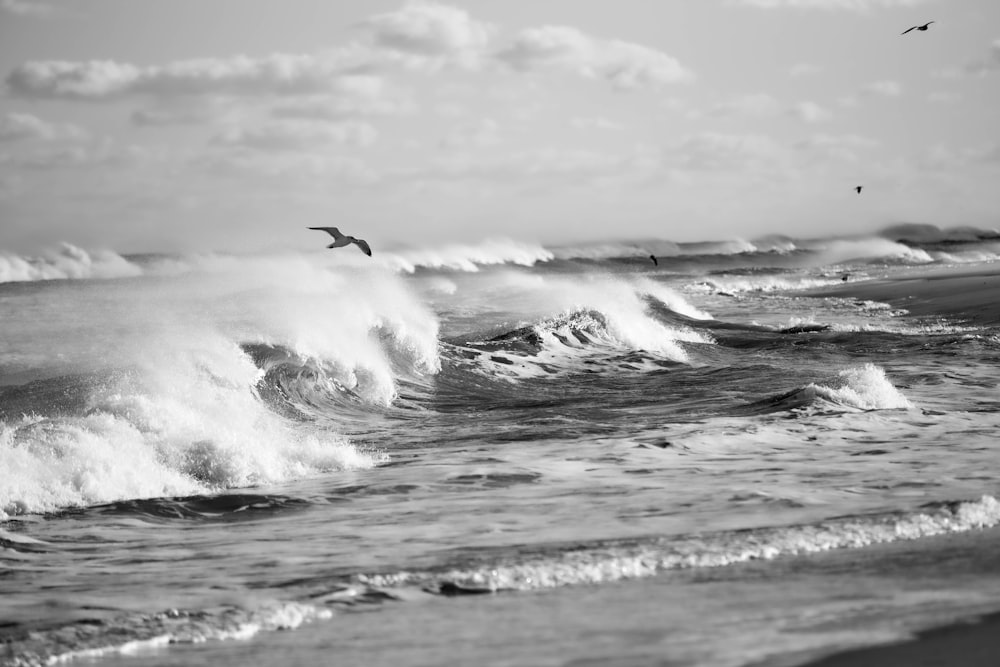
(483, 132)
(26, 8)
(990, 63)
(241, 75)
(17, 126)
(624, 64)
(852, 5)
(758, 104)
(810, 112)
(883, 89)
(352, 97)
(716, 151)
(428, 34)
(297, 135)
(845, 147)
(595, 123)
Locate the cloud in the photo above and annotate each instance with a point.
(844, 147)
(852, 5)
(595, 123)
(810, 112)
(297, 135)
(430, 35)
(174, 115)
(758, 104)
(352, 97)
(18, 126)
(240, 75)
(990, 63)
(484, 132)
(26, 8)
(883, 89)
(624, 64)
(714, 151)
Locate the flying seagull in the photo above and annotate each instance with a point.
(858, 188)
(917, 27)
(340, 240)
(653, 257)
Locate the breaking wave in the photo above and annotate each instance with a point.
(68, 262)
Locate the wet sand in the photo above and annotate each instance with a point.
(972, 644)
(970, 295)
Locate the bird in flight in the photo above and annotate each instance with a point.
(917, 27)
(340, 240)
(858, 188)
(653, 257)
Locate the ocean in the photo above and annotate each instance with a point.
(502, 453)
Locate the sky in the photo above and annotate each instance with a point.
(232, 125)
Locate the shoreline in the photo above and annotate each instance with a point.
(967, 294)
(971, 643)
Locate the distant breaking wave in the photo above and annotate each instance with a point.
(469, 257)
(68, 262)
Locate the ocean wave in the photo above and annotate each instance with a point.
(506, 570)
(167, 401)
(132, 633)
(615, 319)
(858, 388)
(872, 249)
(68, 262)
(917, 234)
(468, 257)
(662, 248)
(615, 561)
(730, 285)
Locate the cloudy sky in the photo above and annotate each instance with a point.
(190, 125)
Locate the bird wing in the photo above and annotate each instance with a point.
(364, 246)
(928, 23)
(332, 231)
(908, 30)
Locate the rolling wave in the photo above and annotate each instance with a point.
(502, 570)
(68, 262)
(855, 389)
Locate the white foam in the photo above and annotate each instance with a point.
(617, 562)
(182, 415)
(174, 627)
(843, 250)
(67, 262)
(866, 388)
(468, 257)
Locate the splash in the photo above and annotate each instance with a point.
(68, 262)
(470, 257)
(170, 401)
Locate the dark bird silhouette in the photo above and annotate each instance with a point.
(653, 257)
(340, 240)
(858, 188)
(917, 27)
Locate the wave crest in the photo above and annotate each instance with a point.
(68, 262)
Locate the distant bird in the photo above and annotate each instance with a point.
(653, 257)
(340, 240)
(858, 188)
(917, 27)
(845, 277)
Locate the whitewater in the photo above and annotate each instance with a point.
(750, 452)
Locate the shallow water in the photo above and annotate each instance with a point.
(632, 457)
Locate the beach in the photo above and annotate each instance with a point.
(967, 293)
(729, 458)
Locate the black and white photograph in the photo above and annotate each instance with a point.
(499, 333)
